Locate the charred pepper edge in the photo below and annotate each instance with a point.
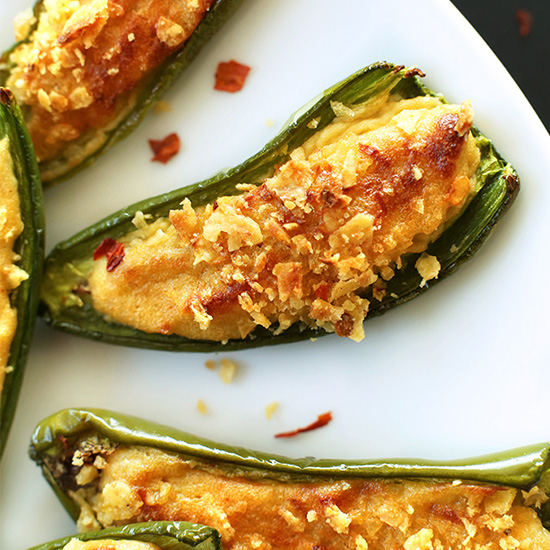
(30, 246)
(155, 84)
(167, 535)
(495, 174)
(520, 468)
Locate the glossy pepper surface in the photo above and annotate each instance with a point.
(67, 306)
(29, 247)
(166, 535)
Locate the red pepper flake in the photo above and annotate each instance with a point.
(322, 420)
(112, 250)
(322, 291)
(166, 148)
(230, 76)
(368, 150)
(65, 443)
(524, 19)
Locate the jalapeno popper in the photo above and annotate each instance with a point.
(86, 71)
(369, 193)
(110, 469)
(21, 253)
(160, 535)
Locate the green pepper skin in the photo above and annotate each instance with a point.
(167, 535)
(151, 89)
(29, 246)
(67, 265)
(521, 468)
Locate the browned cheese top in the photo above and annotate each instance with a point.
(86, 56)
(334, 220)
(142, 484)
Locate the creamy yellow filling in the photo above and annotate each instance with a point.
(11, 275)
(381, 181)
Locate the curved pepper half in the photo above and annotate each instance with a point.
(18, 166)
(67, 303)
(93, 81)
(161, 535)
(88, 455)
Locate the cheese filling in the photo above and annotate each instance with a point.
(11, 275)
(253, 511)
(334, 220)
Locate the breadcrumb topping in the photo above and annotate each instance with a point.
(77, 72)
(144, 484)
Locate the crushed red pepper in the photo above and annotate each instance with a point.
(322, 420)
(112, 250)
(524, 19)
(230, 76)
(165, 149)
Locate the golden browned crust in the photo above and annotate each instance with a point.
(142, 484)
(302, 246)
(86, 57)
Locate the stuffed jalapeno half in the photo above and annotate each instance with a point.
(86, 72)
(21, 253)
(109, 469)
(159, 535)
(373, 189)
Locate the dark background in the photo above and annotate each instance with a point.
(527, 58)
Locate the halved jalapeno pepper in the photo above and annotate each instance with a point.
(21, 251)
(86, 75)
(69, 301)
(109, 468)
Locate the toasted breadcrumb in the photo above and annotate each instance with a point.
(428, 267)
(312, 516)
(337, 519)
(162, 107)
(314, 122)
(420, 541)
(228, 369)
(22, 23)
(270, 409)
(341, 110)
(535, 497)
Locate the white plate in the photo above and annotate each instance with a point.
(462, 370)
